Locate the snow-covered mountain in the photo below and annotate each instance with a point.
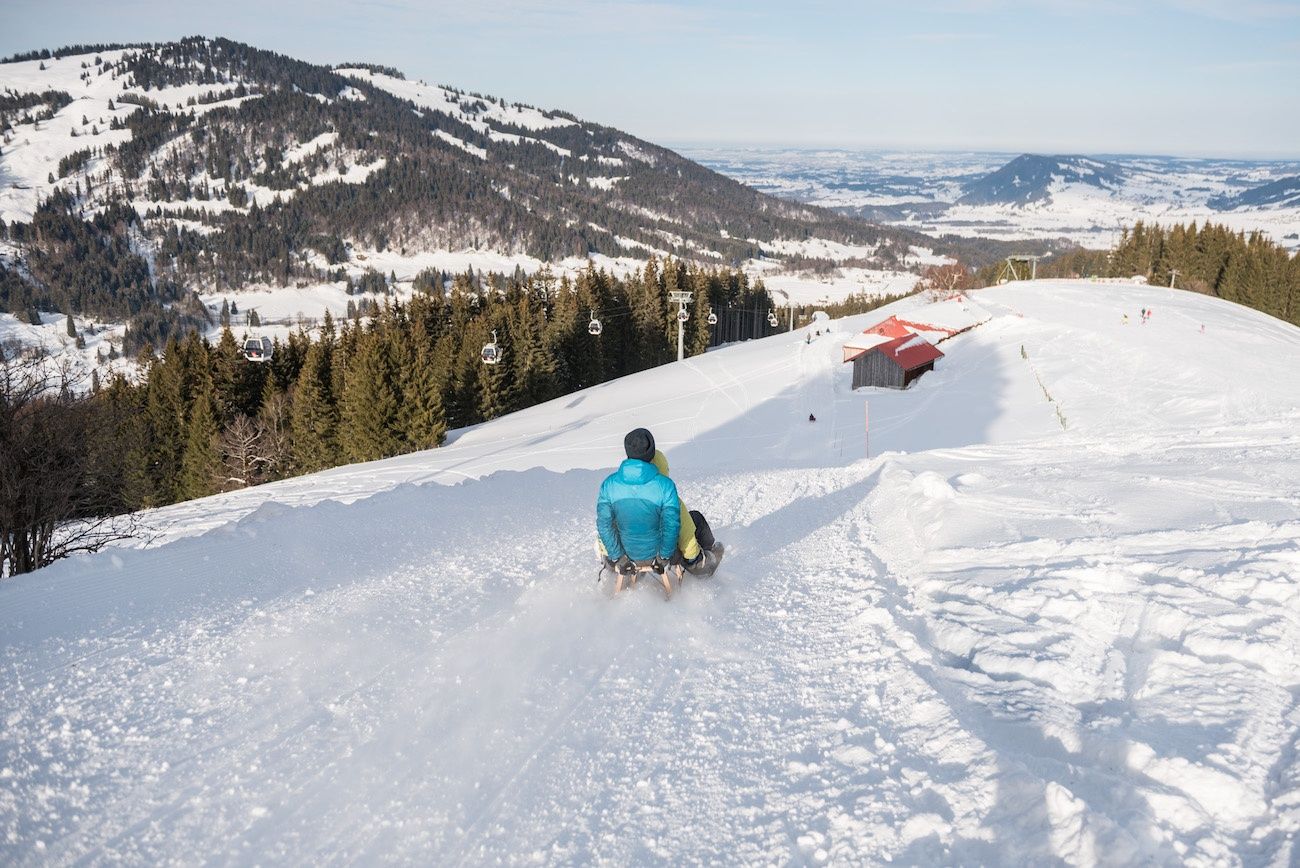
(1033, 178)
(1048, 614)
(155, 182)
(202, 130)
(1046, 199)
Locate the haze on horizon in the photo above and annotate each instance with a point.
(1176, 77)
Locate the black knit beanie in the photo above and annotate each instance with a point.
(640, 444)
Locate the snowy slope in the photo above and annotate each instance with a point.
(1022, 632)
(34, 152)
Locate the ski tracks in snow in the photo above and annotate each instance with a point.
(985, 655)
(1067, 650)
(1134, 679)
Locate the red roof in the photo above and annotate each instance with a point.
(909, 352)
(926, 327)
(899, 330)
(891, 327)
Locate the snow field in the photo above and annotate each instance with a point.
(36, 149)
(1118, 628)
(449, 102)
(998, 640)
(51, 336)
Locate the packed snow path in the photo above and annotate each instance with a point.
(1035, 632)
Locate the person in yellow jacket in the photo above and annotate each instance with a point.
(697, 550)
(688, 544)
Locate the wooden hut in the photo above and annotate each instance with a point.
(893, 362)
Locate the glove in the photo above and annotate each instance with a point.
(624, 564)
(658, 566)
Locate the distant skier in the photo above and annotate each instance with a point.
(807, 339)
(812, 418)
(1125, 319)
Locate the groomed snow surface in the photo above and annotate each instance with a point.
(1021, 632)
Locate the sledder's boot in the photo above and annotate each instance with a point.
(707, 564)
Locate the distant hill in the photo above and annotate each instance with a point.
(1284, 192)
(1033, 178)
(210, 164)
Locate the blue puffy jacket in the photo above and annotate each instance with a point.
(637, 512)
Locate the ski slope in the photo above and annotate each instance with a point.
(1018, 631)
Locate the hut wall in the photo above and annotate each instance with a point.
(874, 369)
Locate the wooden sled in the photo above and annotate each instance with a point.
(629, 575)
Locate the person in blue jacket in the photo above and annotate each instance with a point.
(638, 511)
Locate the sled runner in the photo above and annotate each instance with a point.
(629, 573)
(670, 575)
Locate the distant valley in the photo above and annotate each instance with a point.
(1085, 199)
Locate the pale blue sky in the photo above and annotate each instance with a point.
(1184, 77)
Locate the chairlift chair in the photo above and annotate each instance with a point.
(491, 354)
(771, 318)
(683, 315)
(713, 318)
(257, 349)
(594, 327)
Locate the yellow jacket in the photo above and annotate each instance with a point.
(686, 537)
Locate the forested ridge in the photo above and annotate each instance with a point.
(204, 419)
(226, 189)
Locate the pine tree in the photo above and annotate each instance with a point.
(327, 330)
(369, 408)
(498, 384)
(202, 459)
(424, 423)
(535, 365)
(580, 355)
(649, 344)
(698, 331)
(165, 424)
(314, 429)
(460, 346)
(227, 365)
